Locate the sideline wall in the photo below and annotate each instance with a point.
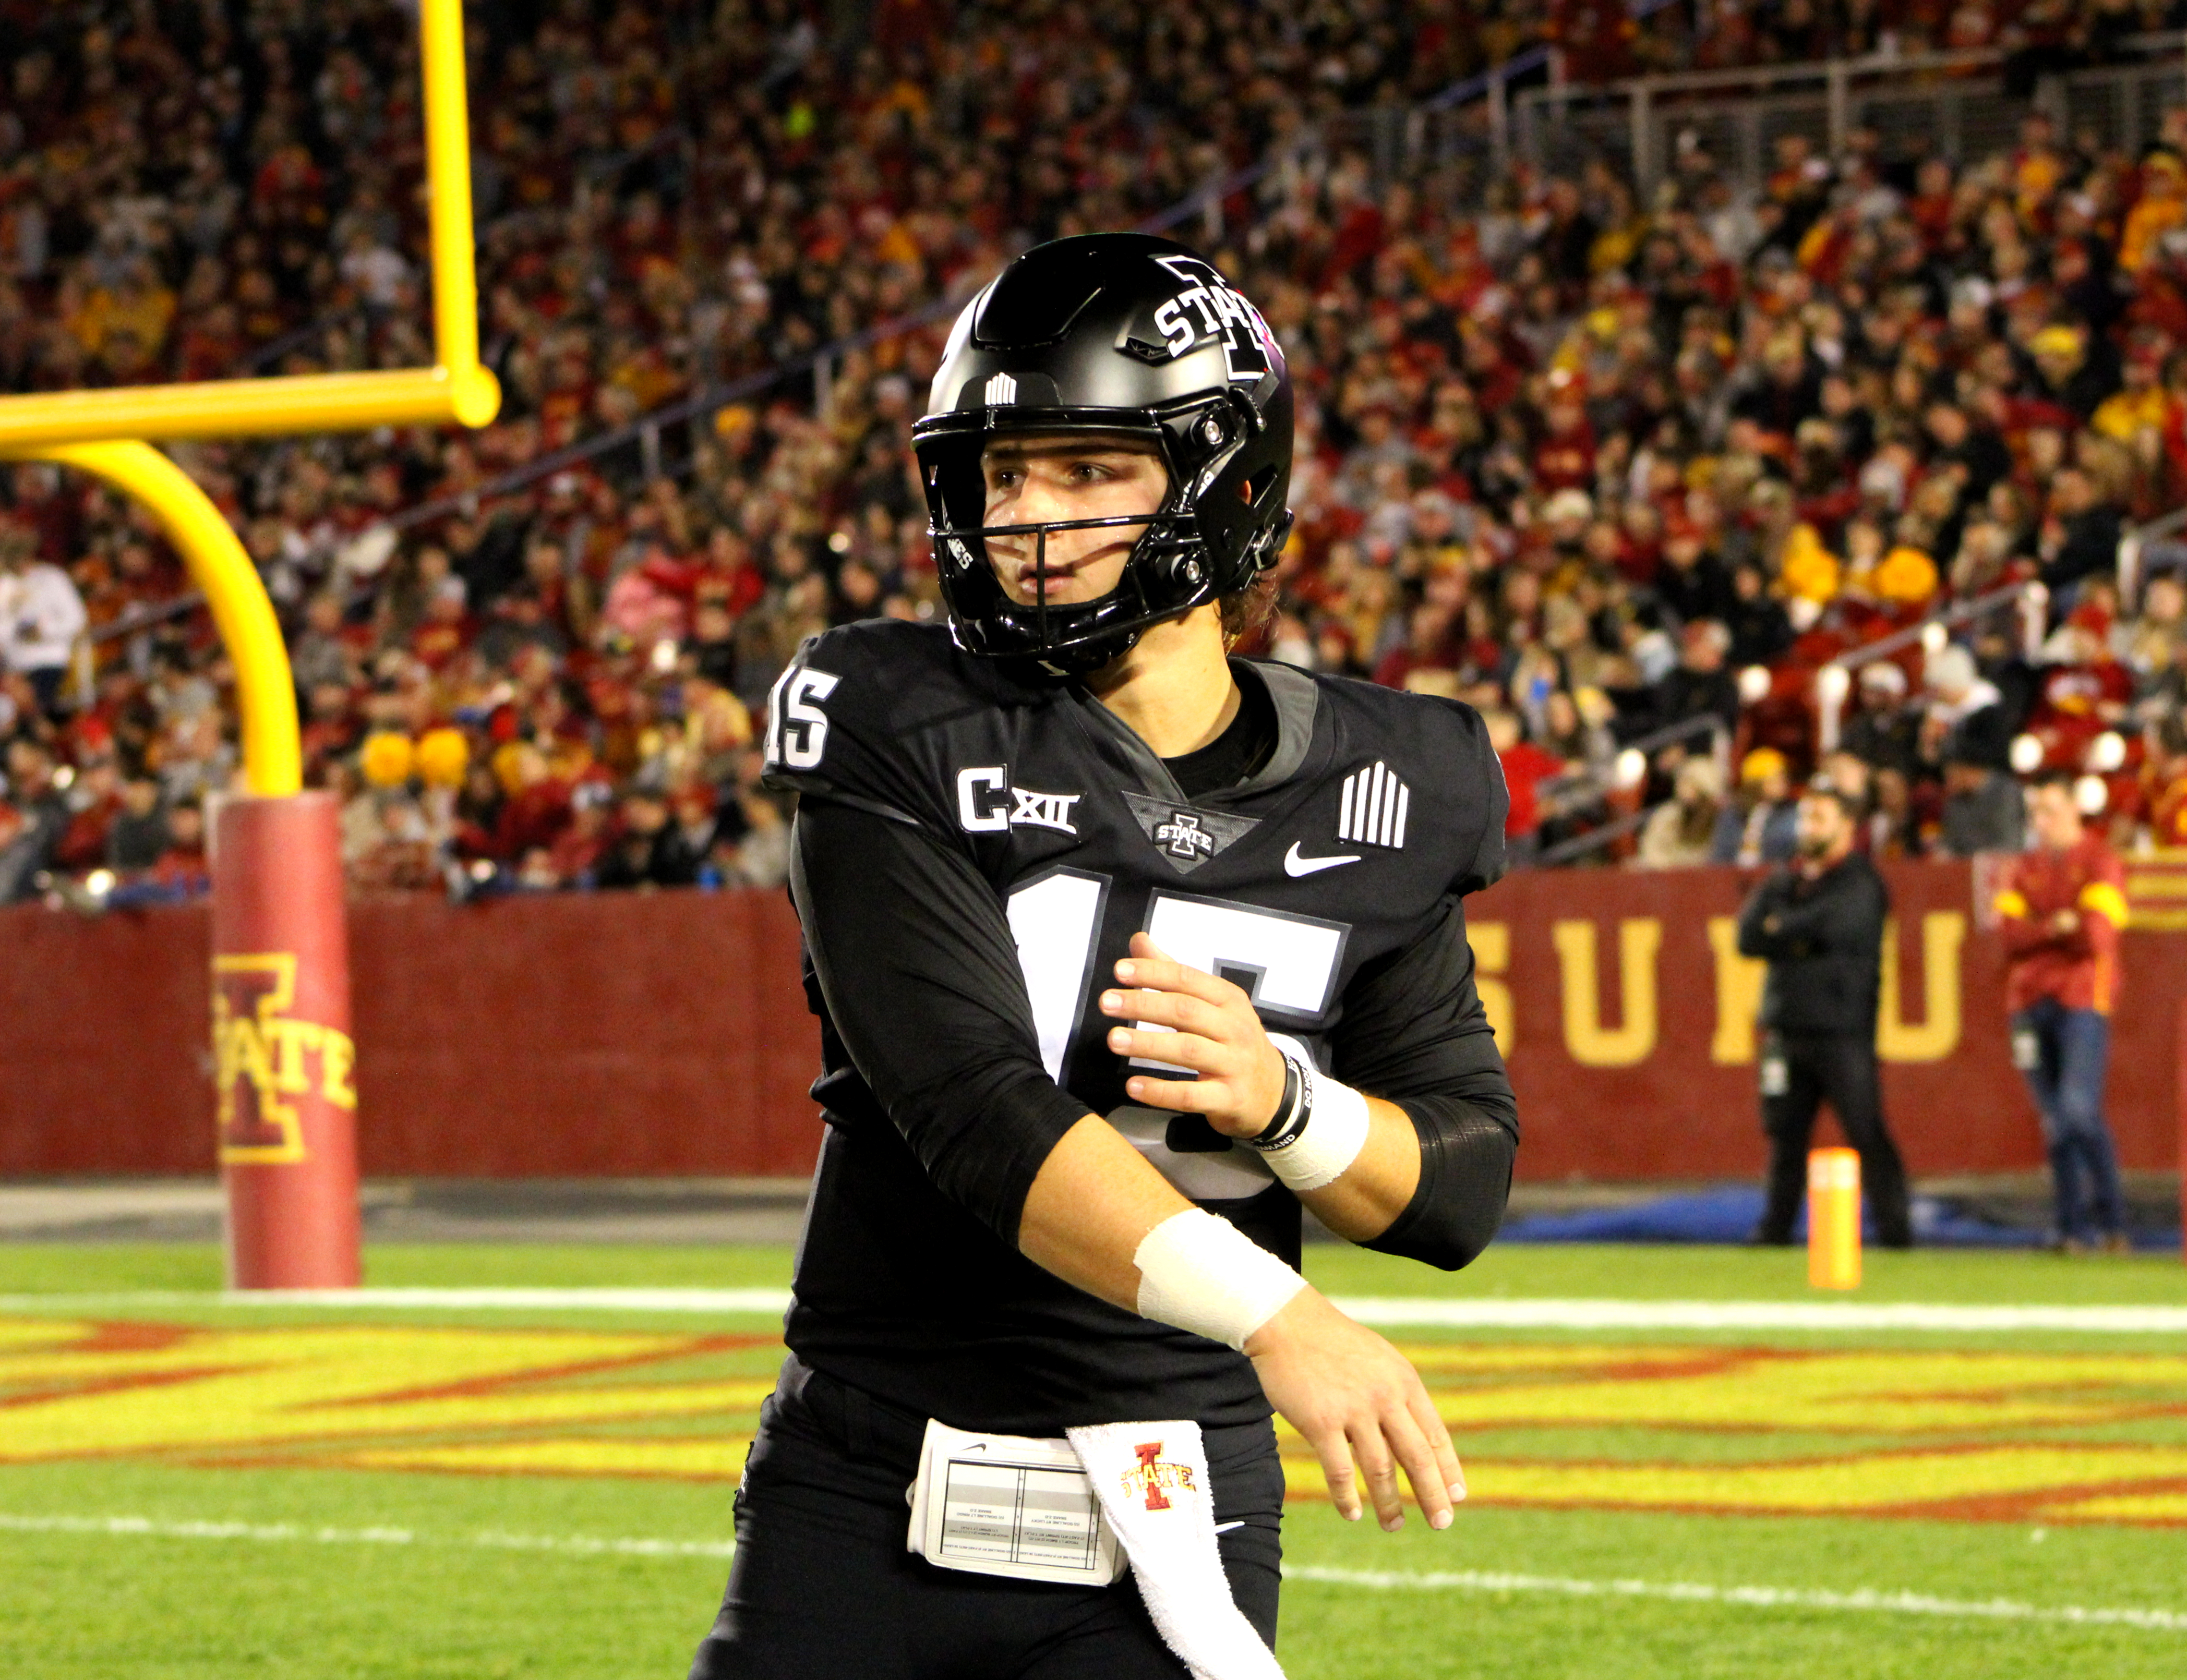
(635, 1035)
(622, 1035)
(1631, 1045)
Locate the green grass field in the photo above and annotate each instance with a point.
(189, 1488)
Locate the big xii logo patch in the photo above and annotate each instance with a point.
(264, 1059)
(1186, 835)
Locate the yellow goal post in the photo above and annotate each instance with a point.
(106, 432)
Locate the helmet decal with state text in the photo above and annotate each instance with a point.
(1205, 308)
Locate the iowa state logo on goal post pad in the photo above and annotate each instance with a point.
(269, 1064)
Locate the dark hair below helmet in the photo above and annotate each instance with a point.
(1122, 332)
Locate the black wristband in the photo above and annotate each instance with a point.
(1292, 1111)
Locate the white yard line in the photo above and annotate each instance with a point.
(297, 1533)
(1388, 1312)
(1379, 1581)
(1511, 1313)
(1759, 1598)
(770, 1301)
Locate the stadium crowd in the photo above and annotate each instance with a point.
(1608, 470)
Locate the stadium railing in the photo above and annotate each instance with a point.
(1834, 678)
(1960, 102)
(1628, 772)
(1470, 122)
(2154, 547)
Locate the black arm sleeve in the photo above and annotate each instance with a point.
(1413, 1033)
(920, 972)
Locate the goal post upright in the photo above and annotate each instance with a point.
(456, 390)
(272, 764)
(283, 1061)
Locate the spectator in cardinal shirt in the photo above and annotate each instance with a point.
(2082, 690)
(1564, 458)
(2164, 780)
(2062, 906)
(537, 808)
(1525, 768)
(575, 854)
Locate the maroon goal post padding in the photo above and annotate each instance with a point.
(283, 1060)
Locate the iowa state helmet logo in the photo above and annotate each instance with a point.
(1205, 309)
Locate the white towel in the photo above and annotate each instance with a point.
(1153, 1484)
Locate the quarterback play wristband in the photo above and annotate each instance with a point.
(1203, 1273)
(1319, 1127)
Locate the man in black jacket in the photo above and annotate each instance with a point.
(1819, 924)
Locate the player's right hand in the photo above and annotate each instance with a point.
(1354, 1396)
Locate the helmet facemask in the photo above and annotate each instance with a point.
(1173, 565)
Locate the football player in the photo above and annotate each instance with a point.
(1123, 949)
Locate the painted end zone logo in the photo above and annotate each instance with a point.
(1941, 1435)
(264, 1059)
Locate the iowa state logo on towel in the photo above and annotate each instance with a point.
(1152, 1474)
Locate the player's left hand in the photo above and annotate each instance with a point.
(1213, 1031)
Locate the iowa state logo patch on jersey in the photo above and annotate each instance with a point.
(1185, 835)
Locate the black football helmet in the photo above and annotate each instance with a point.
(1123, 333)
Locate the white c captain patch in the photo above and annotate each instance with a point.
(981, 809)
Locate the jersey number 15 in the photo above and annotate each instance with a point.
(1287, 964)
(796, 727)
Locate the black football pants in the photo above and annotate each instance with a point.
(1839, 1067)
(822, 1588)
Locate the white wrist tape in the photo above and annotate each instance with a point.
(1336, 1128)
(1203, 1273)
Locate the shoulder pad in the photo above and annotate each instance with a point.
(842, 717)
(1439, 748)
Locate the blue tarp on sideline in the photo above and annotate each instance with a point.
(1728, 1213)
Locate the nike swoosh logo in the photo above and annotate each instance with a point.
(1295, 865)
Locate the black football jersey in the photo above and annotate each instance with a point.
(958, 824)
